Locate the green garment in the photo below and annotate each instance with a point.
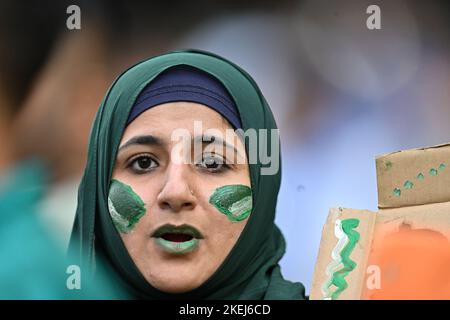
(32, 267)
(32, 264)
(251, 270)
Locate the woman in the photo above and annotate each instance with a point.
(170, 223)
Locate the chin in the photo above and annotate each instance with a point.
(175, 284)
(173, 275)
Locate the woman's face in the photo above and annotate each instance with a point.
(179, 220)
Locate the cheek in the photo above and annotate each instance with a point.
(222, 233)
(229, 207)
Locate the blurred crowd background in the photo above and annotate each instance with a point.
(341, 94)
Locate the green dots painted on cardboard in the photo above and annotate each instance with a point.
(397, 192)
(408, 184)
(420, 176)
(388, 165)
(125, 206)
(235, 201)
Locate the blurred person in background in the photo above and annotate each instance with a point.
(34, 263)
(55, 118)
(32, 266)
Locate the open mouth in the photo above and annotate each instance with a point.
(177, 239)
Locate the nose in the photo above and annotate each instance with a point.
(176, 194)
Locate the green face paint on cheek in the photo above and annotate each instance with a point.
(125, 206)
(235, 201)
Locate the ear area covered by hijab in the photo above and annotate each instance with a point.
(251, 270)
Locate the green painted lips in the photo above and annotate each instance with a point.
(235, 201)
(188, 238)
(177, 247)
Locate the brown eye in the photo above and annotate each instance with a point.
(143, 164)
(212, 162)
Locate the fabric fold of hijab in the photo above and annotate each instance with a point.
(251, 270)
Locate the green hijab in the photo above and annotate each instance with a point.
(251, 270)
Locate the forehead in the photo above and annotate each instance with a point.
(165, 118)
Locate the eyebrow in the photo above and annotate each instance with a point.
(206, 139)
(148, 140)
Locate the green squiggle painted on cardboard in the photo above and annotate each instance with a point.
(348, 226)
(235, 201)
(336, 262)
(125, 206)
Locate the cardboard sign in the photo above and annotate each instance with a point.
(403, 250)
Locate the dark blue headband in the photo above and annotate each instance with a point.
(183, 83)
